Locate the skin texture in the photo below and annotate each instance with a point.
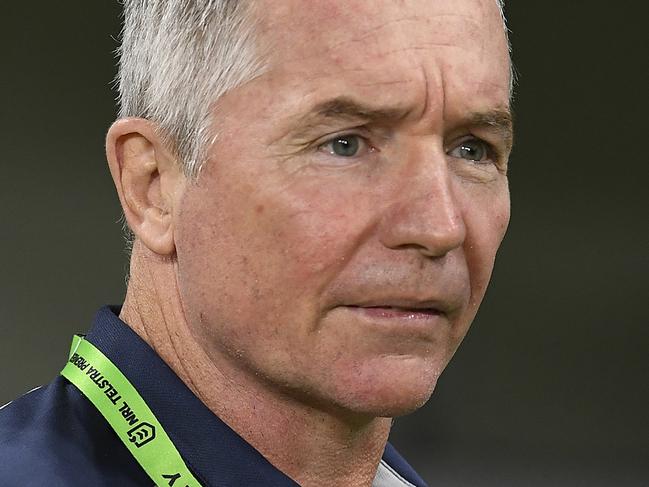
(307, 297)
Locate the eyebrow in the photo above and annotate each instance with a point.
(346, 109)
(499, 120)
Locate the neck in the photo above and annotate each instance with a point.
(314, 445)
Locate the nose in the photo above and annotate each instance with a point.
(425, 214)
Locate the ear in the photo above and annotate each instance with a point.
(148, 179)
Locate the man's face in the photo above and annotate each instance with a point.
(341, 237)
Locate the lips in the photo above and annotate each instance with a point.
(399, 312)
(406, 305)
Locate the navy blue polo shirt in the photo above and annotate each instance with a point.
(53, 436)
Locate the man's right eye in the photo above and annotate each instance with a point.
(345, 146)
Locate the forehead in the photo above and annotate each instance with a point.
(335, 45)
(332, 23)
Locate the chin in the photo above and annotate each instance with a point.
(394, 387)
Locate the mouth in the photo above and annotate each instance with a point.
(420, 311)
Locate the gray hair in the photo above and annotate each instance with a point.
(513, 77)
(177, 57)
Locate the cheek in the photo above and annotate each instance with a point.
(487, 220)
(254, 267)
(315, 229)
(266, 249)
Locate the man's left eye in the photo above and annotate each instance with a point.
(345, 146)
(472, 150)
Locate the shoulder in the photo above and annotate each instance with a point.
(52, 436)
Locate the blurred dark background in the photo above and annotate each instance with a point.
(551, 386)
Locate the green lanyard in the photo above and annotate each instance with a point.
(119, 402)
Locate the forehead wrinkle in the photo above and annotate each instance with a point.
(373, 31)
(373, 84)
(455, 40)
(424, 46)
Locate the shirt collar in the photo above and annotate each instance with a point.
(212, 450)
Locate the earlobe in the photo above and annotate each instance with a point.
(148, 181)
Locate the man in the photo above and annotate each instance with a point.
(316, 193)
